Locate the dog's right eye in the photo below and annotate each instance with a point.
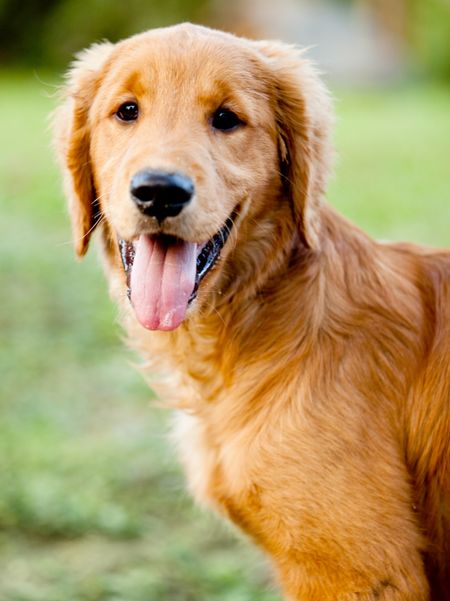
(128, 111)
(225, 120)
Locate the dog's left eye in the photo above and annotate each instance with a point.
(225, 120)
(128, 111)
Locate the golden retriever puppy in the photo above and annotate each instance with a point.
(309, 363)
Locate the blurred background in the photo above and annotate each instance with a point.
(92, 501)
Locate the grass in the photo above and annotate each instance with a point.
(92, 501)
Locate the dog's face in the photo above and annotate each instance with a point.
(179, 140)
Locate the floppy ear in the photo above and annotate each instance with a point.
(303, 114)
(71, 134)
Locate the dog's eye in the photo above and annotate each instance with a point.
(225, 120)
(128, 111)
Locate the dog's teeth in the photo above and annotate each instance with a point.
(127, 253)
(210, 253)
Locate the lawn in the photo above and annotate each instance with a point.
(92, 501)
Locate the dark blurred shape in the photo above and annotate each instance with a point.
(409, 36)
(37, 32)
(21, 28)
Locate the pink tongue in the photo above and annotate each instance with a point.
(162, 280)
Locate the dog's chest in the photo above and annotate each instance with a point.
(263, 474)
(236, 459)
(216, 466)
(241, 442)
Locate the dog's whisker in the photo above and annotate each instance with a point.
(214, 309)
(283, 176)
(84, 236)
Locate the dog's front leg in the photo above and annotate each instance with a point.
(326, 584)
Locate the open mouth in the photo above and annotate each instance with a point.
(164, 274)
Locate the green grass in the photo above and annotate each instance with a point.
(392, 167)
(92, 501)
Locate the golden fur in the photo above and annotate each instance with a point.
(312, 373)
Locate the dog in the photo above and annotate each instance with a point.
(309, 364)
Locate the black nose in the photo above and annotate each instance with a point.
(160, 194)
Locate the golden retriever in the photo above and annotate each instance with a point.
(309, 363)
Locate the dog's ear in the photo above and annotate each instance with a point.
(71, 134)
(303, 115)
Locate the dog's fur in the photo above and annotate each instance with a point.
(312, 372)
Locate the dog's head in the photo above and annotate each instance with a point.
(188, 146)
